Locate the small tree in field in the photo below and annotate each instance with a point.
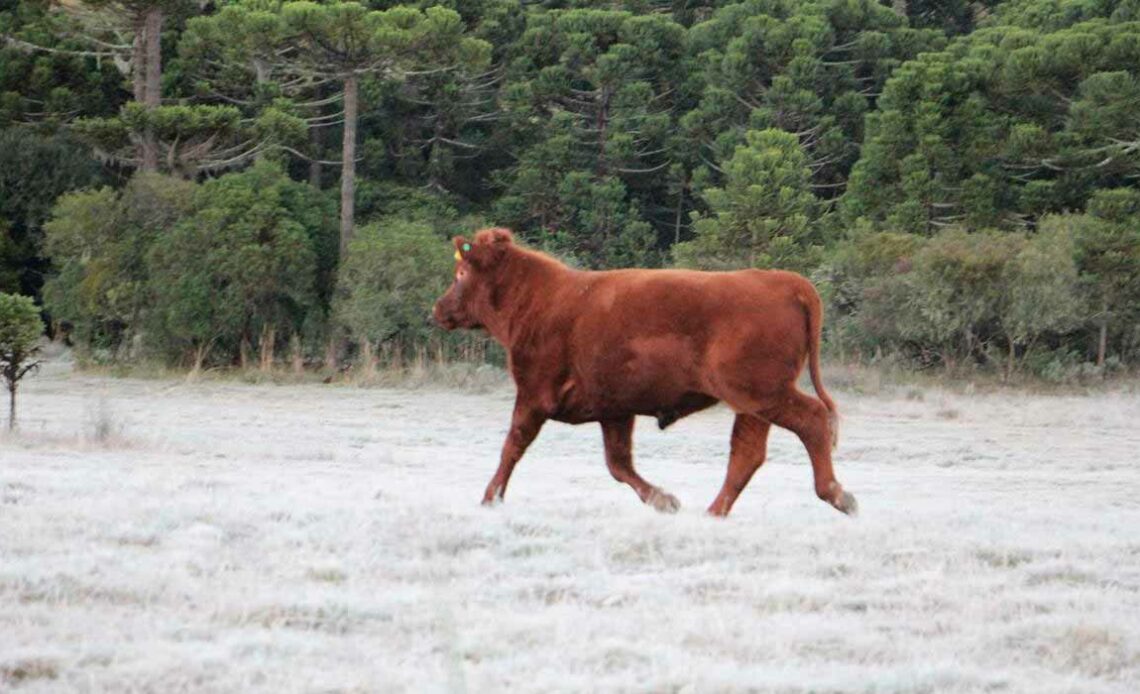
(20, 327)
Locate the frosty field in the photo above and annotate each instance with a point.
(161, 536)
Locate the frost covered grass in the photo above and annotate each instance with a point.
(229, 537)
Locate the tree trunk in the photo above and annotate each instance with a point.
(138, 59)
(314, 163)
(12, 406)
(268, 346)
(1102, 343)
(151, 74)
(331, 361)
(1010, 364)
(261, 74)
(153, 57)
(243, 351)
(435, 157)
(296, 354)
(199, 358)
(348, 165)
(677, 216)
(601, 123)
(367, 358)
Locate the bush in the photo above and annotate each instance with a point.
(857, 282)
(241, 270)
(98, 240)
(394, 271)
(938, 300)
(1042, 289)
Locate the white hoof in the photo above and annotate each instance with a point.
(493, 497)
(663, 502)
(847, 504)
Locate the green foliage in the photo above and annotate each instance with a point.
(182, 267)
(395, 271)
(1006, 124)
(340, 37)
(809, 68)
(98, 240)
(958, 177)
(20, 329)
(45, 89)
(764, 216)
(946, 306)
(1108, 260)
(969, 296)
(856, 281)
(1043, 285)
(590, 91)
(1051, 15)
(35, 169)
(192, 138)
(241, 265)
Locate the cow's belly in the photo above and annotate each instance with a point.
(652, 376)
(666, 407)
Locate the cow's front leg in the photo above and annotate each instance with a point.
(618, 437)
(525, 425)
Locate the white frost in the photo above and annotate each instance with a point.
(258, 538)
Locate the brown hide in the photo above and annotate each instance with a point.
(604, 346)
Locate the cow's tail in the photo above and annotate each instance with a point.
(813, 306)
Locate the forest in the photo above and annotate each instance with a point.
(260, 184)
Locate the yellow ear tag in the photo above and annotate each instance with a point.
(458, 257)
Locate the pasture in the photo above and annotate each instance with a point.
(164, 536)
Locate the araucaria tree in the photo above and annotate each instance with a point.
(345, 42)
(20, 328)
(765, 214)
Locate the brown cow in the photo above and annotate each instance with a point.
(606, 346)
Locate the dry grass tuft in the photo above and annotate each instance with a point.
(24, 670)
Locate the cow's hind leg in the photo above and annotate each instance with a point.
(618, 437)
(748, 449)
(809, 419)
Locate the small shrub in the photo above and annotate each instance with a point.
(102, 425)
(20, 330)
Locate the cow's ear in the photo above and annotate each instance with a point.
(489, 248)
(462, 248)
(499, 240)
(501, 235)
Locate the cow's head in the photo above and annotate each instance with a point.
(471, 299)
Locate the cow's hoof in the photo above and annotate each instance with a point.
(493, 497)
(847, 503)
(663, 502)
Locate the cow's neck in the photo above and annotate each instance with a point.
(527, 284)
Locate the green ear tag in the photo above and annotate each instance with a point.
(466, 247)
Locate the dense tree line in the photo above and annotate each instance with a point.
(257, 181)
